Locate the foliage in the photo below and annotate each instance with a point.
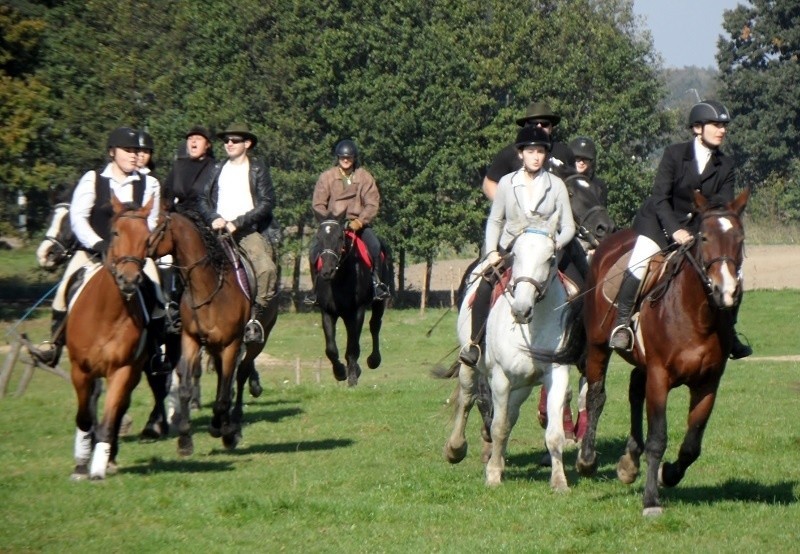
(759, 64)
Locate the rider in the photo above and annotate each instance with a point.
(561, 161)
(90, 217)
(350, 190)
(184, 183)
(531, 190)
(245, 211)
(585, 155)
(667, 217)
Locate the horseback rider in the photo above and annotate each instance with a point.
(90, 217)
(349, 190)
(667, 215)
(245, 211)
(531, 190)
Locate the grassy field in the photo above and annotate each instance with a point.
(324, 468)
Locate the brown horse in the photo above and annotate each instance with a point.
(684, 336)
(105, 338)
(214, 311)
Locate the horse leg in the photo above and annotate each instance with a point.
(486, 410)
(455, 448)
(557, 382)
(701, 403)
(501, 427)
(354, 326)
(120, 384)
(84, 423)
(156, 427)
(331, 351)
(628, 464)
(596, 366)
(656, 396)
(231, 356)
(375, 322)
(197, 374)
(188, 365)
(243, 374)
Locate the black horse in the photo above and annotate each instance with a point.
(344, 289)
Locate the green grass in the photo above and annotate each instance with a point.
(324, 468)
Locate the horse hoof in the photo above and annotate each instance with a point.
(195, 404)
(185, 446)
(153, 432)
(255, 389)
(455, 455)
(586, 469)
(231, 441)
(80, 473)
(214, 431)
(627, 472)
(560, 485)
(112, 468)
(339, 373)
(373, 361)
(653, 511)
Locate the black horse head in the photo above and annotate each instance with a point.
(592, 221)
(331, 245)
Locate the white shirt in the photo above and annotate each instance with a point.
(702, 154)
(233, 193)
(83, 200)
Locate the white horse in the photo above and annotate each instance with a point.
(59, 241)
(526, 344)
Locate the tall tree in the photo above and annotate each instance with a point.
(759, 64)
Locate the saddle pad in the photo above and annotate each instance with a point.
(78, 281)
(613, 279)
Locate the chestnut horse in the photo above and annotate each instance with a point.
(106, 337)
(214, 311)
(683, 336)
(344, 290)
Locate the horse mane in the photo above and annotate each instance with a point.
(215, 252)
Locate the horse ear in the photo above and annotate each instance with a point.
(115, 203)
(741, 201)
(700, 201)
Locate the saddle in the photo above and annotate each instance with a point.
(505, 277)
(360, 248)
(242, 267)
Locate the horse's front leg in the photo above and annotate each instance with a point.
(354, 326)
(243, 375)
(628, 464)
(188, 365)
(556, 380)
(375, 322)
(701, 403)
(455, 449)
(657, 391)
(331, 351)
(86, 389)
(120, 384)
(501, 427)
(230, 358)
(596, 366)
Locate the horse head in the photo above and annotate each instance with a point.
(59, 241)
(128, 247)
(331, 244)
(534, 252)
(719, 251)
(591, 218)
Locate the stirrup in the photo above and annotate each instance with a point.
(253, 332)
(381, 290)
(310, 300)
(618, 331)
(465, 356)
(49, 356)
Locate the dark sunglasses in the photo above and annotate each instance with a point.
(543, 123)
(232, 140)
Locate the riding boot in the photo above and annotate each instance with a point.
(622, 335)
(739, 349)
(380, 289)
(311, 297)
(50, 354)
(254, 331)
(471, 353)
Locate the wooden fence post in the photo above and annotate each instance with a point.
(8, 366)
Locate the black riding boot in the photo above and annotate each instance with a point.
(50, 354)
(739, 349)
(311, 297)
(471, 353)
(622, 335)
(254, 331)
(380, 289)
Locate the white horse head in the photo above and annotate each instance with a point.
(534, 264)
(59, 240)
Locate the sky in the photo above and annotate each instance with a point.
(685, 32)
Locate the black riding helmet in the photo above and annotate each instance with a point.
(123, 137)
(346, 148)
(708, 111)
(145, 141)
(533, 136)
(583, 147)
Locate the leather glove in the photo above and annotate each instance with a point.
(100, 247)
(494, 257)
(355, 225)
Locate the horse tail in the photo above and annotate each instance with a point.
(441, 372)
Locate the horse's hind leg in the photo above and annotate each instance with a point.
(156, 427)
(375, 322)
(243, 373)
(596, 365)
(656, 441)
(188, 366)
(84, 423)
(628, 465)
(331, 351)
(701, 403)
(354, 326)
(455, 448)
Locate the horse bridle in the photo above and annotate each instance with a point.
(541, 289)
(64, 250)
(337, 256)
(582, 231)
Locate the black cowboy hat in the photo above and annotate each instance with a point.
(539, 110)
(239, 129)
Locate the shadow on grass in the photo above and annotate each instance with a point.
(289, 447)
(158, 465)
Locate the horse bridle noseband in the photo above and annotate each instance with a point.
(541, 289)
(139, 262)
(65, 251)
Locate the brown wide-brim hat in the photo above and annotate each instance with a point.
(199, 130)
(239, 129)
(539, 110)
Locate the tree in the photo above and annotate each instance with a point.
(759, 66)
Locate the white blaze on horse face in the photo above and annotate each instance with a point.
(729, 281)
(53, 231)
